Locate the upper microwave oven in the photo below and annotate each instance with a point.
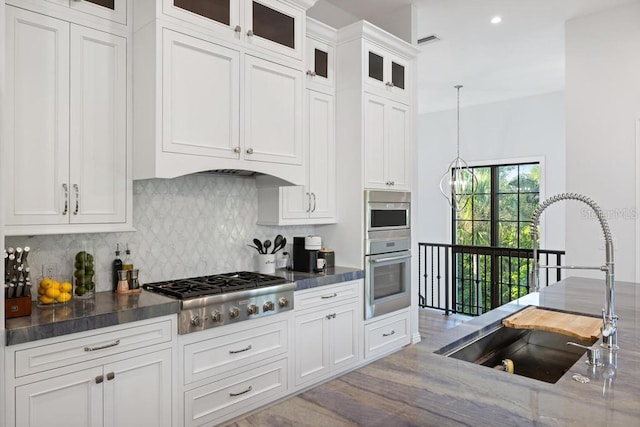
(387, 210)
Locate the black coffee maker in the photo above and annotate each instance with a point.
(304, 259)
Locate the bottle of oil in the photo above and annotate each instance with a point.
(117, 266)
(128, 265)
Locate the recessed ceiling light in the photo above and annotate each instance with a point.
(496, 20)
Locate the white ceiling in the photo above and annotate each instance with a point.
(522, 56)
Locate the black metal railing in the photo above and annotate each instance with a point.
(472, 280)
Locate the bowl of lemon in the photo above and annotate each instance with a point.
(52, 292)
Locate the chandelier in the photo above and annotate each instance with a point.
(458, 183)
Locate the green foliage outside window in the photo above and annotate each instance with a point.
(497, 215)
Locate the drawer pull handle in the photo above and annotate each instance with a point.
(331, 316)
(240, 351)
(329, 296)
(110, 376)
(102, 347)
(240, 393)
(389, 334)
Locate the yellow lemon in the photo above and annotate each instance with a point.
(63, 297)
(41, 290)
(52, 293)
(46, 300)
(46, 283)
(66, 287)
(55, 285)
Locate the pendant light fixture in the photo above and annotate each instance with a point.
(459, 182)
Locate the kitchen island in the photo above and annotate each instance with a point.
(417, 387)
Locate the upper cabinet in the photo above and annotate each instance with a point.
(320, 56)
(65, 159)
(265, 25)
(113, 10)
(208, 101)
(385, 73)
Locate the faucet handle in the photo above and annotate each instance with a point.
(593, 354)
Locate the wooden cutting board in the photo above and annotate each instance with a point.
(574, 325)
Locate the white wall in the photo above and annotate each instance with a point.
(603, 105)
(530, 128)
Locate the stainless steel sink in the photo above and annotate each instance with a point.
(540, 355)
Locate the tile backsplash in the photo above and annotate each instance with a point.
(188, 226)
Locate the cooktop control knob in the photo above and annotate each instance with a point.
(216, 316)
(267, 306)
(283, 301)
(252, 309)
(234, 312)
(196, 320)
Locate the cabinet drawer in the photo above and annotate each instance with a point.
(217, 355)
(386, 335)
(69, 352)
(318, 297)
(214, 402)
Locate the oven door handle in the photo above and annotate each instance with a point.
(395, 258)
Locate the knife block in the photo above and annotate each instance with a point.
(17, 307)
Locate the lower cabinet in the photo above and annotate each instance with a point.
(132, 392)
(96, 378)
(226, 372)
(386, 334)
(328, 334)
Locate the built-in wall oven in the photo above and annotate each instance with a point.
(387, 252)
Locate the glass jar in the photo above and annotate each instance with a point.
(53, 292)
(84, 264)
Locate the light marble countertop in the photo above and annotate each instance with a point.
(484, 395)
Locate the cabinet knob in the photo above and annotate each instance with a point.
(393, 183)
(249, 150)
(236, 150)
(311, 73)
(250, 33)
(99, 379)
(110, 376)
(237, 29)
(389, 84)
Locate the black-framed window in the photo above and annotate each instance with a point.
(499, 212)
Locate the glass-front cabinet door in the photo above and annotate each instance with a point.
(320, 63)
(384, 71)
(217, 15)
(275, 26)
(113, 10)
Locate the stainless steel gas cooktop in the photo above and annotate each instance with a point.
(210, 301)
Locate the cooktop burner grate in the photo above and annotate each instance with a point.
(216, 284)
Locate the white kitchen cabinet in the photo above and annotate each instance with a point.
(387, 144)
(385, 73)
(201, 97)
(116, 376)
(193, 113)
(321, 59)
(113, 10)
(227, 371)
(313, 203)
(71, 169)
(132, 392)
(327, 334)
(386, 334)
(270, 26)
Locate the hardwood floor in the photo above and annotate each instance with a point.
(367, 396)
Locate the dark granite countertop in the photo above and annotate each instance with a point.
(329, 276)
(483, 396)
(108, 309)
(105, 309)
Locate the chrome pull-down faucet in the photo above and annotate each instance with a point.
(609, 327)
